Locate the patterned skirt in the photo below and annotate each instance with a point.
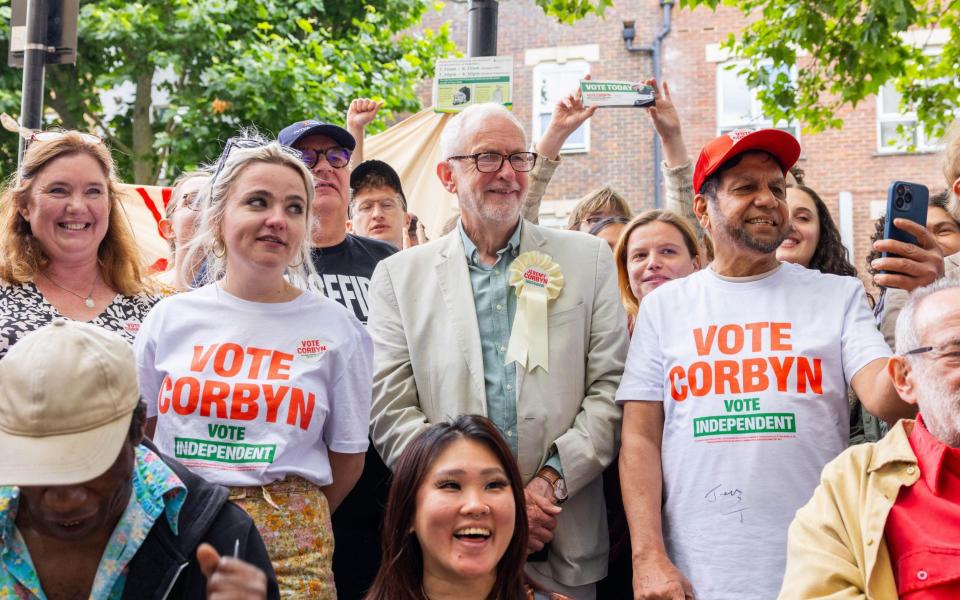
(293, 519)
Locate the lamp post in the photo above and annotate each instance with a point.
(42, 32)
(34, 60)
(482, 28)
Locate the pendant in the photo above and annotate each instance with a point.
(88, 301)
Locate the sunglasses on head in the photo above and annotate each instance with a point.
(245, 144)
(52, 136)
(32, 135)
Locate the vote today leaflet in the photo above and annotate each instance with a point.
(616, 93)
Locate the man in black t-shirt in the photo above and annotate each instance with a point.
(345, 263)
(344, 270)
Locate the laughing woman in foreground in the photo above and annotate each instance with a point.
(456, 522)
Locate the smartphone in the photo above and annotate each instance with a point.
(905, 200)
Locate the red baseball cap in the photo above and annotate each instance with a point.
(783, 146)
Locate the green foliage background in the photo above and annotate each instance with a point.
(235, 63)
(268, 63)
(845, 51)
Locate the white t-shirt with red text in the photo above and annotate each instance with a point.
(753, 377)
(246, 393)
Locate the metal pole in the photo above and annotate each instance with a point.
(666, 5)
(655, 49)
(482, 28)
(34, 59)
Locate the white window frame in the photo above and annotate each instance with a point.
(539, 109)
(924, 144)
(757, 119)
(907, 119)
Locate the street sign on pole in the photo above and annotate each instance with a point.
(460, 82)
(60, 41)
(41, 32)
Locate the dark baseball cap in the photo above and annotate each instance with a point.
(301, 129)
(382, 169)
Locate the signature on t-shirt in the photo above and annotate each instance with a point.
(729, 500)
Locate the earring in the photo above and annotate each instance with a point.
(218, 244)
(299, 264)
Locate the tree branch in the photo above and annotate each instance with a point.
(114, 142)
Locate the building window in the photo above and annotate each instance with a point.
(738, 106)
(899, 131)
(551, 82)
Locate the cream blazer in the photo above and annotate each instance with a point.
(428, 368)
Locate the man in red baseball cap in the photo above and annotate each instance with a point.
(735, 402)
(780, 145)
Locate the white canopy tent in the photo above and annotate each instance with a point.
(412, 148)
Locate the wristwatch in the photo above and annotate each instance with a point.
(557, 483)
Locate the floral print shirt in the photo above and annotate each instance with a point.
(156, 490)
(24, 309)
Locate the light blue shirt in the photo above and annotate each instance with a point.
(496, 304)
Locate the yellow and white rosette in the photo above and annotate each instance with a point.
(537, 280)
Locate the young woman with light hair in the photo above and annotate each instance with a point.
(254, 382)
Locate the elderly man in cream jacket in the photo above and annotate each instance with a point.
(516, 322)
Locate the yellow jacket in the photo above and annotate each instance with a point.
(835, 545)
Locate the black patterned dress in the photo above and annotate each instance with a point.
(24, 309)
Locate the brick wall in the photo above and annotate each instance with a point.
(621, 141)
(844, 160)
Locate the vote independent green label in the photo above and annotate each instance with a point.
(744, 424)
(224, 452)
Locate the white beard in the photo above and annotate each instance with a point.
(940, 407)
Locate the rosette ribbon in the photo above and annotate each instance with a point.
(537, 280)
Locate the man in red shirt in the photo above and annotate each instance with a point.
(885, 520)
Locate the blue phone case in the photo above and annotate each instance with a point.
(905, 200)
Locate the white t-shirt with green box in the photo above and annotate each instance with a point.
(246, 393)
(753, 376)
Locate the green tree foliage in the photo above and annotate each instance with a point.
(844, 51)
(196, 71)
(570, 11)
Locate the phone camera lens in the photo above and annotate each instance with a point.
(898, 203)
(908, 197)
(901, 189)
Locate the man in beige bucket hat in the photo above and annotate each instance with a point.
(87, 507)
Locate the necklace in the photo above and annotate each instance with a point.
(88, 301)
